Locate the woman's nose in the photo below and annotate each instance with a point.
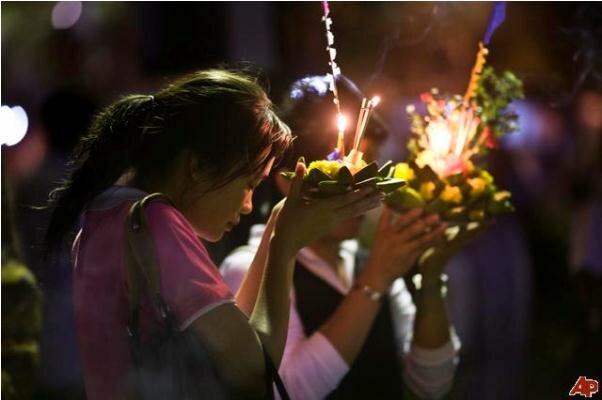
(247, 206)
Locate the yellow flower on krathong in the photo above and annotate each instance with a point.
(486, 176)
(477, 185)
(502, 195)
(427, 190)
(451, 194)
(404, 171)
(424, 158)
(330, 168)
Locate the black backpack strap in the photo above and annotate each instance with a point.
(141, 262)
(273, 377)
(142, 244)
(143, 270)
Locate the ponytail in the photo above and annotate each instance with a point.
(99, 159)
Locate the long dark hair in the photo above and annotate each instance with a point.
(224, 117)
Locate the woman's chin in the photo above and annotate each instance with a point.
(215, 237)
(211, 236)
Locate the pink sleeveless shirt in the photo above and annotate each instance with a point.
(190, 284)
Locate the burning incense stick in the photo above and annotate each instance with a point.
(336, 71)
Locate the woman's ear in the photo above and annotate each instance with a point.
(192, 162)
(282, 183)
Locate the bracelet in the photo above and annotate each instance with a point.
(369, 292)
(438, 288)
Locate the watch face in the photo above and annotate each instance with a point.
(369, 292)
(374, 296)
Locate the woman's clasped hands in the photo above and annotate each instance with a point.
(399, 240)
(301, 220)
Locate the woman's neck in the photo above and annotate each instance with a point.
(172, 188)
(173, 182)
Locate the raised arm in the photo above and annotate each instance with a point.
(234, 349)
(315, 365)
(398, 242)
(246, 294)
(431, 361)
(297, 224)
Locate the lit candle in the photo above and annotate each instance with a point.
(341, 126)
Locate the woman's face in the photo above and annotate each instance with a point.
(217, 211)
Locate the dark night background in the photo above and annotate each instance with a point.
(528, 316)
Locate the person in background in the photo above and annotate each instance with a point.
(585, 258)
(21, 310)
(354, 330)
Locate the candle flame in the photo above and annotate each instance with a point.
(439, 137)
(448, 141)
(341, 122)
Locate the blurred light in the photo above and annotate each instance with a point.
(317, 85)
(296, 94)
(14, 123)
(320, 84)
(375, 100)
(65, 14)
(538, 127)
(341, 122)
(439, 137)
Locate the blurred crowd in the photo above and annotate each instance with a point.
(526, 298)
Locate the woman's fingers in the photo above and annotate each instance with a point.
(345, 199)
(347, 205)
(358, 207)
(297, 182)
(426, 240)
(385, 219)
(407, 218)
(419, 227)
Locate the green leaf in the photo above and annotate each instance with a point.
(316, 176)
(332, 187)
(344, 176)
(390, 185)
(385, 169)
(369, 171)
(367, 182)
(404, 199)
(289, 175)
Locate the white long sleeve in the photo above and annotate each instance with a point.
(311, 367)
(429, 373)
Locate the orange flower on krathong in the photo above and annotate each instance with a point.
(452, 194)
(490, 139)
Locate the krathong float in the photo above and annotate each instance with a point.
(446, 167)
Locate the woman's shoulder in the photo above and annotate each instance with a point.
(171, 229)
(115, 196)
(163, 217)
